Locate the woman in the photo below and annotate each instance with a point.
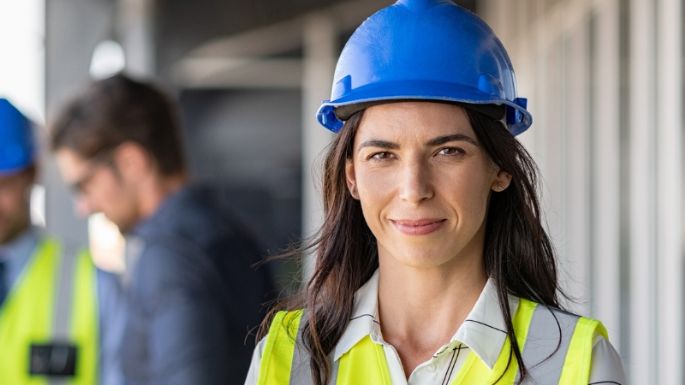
(432, 266)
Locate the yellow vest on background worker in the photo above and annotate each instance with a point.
(48, 322)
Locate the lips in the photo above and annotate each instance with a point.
(417, 227)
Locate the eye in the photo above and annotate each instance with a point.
(451, 151)
(383, 155)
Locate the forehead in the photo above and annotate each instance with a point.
(71, 164)
(22, 179)
(414, 120)
(7, 176)
(10, 174)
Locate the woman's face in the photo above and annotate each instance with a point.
(423, 181)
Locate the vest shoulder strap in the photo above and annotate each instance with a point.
(578, 361)
(558, 347)
(285, 360)
(277, 358)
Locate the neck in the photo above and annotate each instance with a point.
(14, 234)
(426, 305)
(157, 190)
(414, 298)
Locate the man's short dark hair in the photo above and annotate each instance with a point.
(117, 110)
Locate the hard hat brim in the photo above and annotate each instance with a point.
(417, 90)
(9, 171)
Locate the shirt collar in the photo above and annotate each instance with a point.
(484, 330)
(163, 216)
(364, 321)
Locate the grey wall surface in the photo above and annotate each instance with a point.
(73, 28)
(249, 143)
(183, 25)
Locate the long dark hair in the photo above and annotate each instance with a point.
(517, 252)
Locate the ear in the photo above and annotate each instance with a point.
(132, 161)
(501, 182)
(351, 179)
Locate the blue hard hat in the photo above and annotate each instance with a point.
(424, 50)
(16, 140)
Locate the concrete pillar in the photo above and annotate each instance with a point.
(606, 268)
(669, 235)
(135, 29)
(642, 363)
(73, 28)
(320, 52)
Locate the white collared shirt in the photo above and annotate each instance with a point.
(483, 332)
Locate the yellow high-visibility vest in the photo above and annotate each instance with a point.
(34, 314)
(365, 363)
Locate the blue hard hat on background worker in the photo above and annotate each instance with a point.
(17, 149)
(424, 50)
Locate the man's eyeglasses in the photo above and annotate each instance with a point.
(80, 185)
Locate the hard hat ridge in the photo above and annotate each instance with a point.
(423, 50)
(416, 5)
(16, 140)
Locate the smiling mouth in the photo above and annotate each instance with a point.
(417, 227)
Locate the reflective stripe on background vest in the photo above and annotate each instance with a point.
(549, 358)
(54, 300)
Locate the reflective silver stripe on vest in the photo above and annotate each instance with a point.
(543, 338)
(61, 322)
(64, 300)
(300, 372)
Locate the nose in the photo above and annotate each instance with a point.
(416, 185)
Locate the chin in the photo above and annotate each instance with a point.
(123, 226)
(422, 258)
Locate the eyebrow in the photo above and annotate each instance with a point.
(379, 143)
(433, 142)
(452, 138)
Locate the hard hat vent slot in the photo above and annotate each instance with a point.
(488, 84)
(343, 86)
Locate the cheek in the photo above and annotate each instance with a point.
(12, 201)
(369, 184)
(6, 204)
(374, 186)
(468, 188)
(106, 192)
(474, 206)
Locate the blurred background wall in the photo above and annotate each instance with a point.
(604, 80)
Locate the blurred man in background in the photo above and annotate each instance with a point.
(191, 293)
(49, 325)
